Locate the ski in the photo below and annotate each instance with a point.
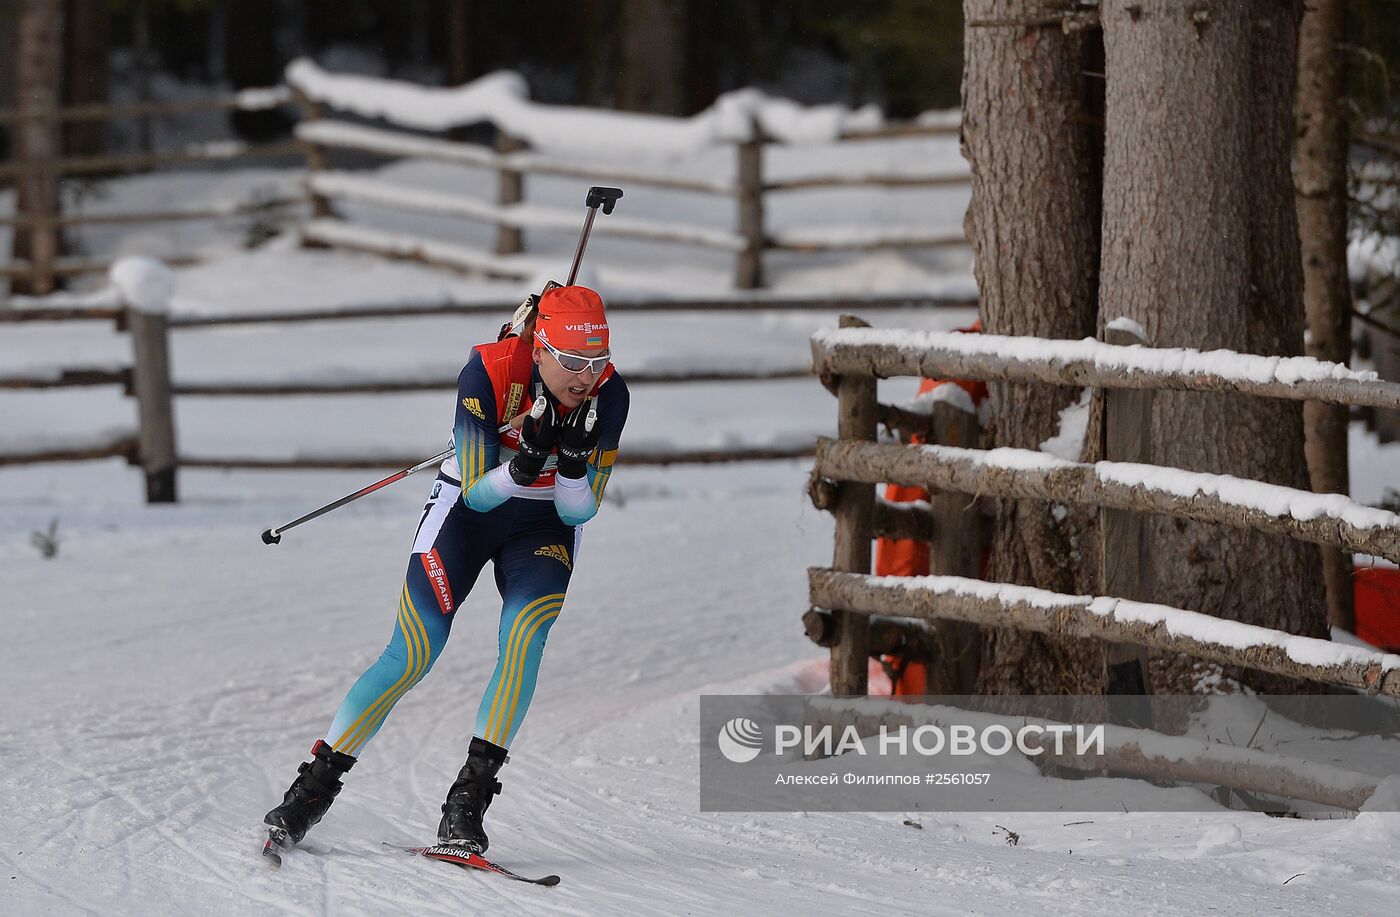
(467, 859)
(277, 843)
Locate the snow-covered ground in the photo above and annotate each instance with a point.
(167, 671)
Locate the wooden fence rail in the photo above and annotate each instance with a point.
(331, 134)
(1021, 474)
(445, 383)
(995, 358)
(41, 311)
(1123, 490)
(513, 164)
(1139, 752)
(70, 377)
(1117, 620)
(246, 99)
(223, 151)
(155, 216)
(38, 164)
(153, 445)
(318, 133)
(122, 444)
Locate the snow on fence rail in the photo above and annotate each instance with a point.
(1330, 519)
(385, 142)
(1168, 629)
(561, 140)
(997, 358)
(1124, 487)
(556, 135)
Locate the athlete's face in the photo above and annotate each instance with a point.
(569, 388)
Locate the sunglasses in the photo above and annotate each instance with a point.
(573, 363)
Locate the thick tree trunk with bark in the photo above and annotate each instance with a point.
(1321, 183)
(1029, 136)
(1200, 246)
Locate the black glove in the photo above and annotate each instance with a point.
(578, 437)
(537, 437)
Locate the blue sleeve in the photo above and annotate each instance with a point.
(475, 437)
(578, 508)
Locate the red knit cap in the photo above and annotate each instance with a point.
(571, 318)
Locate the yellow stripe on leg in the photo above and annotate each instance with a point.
(340, 744)
(508, 656)
(515, 693)
(421, 656)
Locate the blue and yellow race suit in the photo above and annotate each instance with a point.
(476, 513)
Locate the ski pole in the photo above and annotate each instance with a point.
(597, 196)
(274, 535)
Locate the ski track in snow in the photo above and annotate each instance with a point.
(171, 671)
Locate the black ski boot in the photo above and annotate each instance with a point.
(469, 796)
(310, 795)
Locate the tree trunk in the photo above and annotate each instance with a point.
(88, 40)
(1200, 246)
(1029, 136)
(39, 85)
(654, 58)
(467, 27)
(9, 46)
(1321, 184)
(254, 60)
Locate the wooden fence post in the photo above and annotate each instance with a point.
(956, 550)
(510, 190)
(854, 510)
(145, 285)
(1124, 565)
(749, 265)
(316, 159)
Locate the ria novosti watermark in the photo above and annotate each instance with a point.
(958, 739)
(780, 752)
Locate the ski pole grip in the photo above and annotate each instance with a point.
(606, 198)
(269, 538)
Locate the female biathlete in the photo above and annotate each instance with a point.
(539, 416)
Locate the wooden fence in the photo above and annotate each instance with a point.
(1123, 487)
(152, 443)
(512, 162)
(39, 221)
(859, 616)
